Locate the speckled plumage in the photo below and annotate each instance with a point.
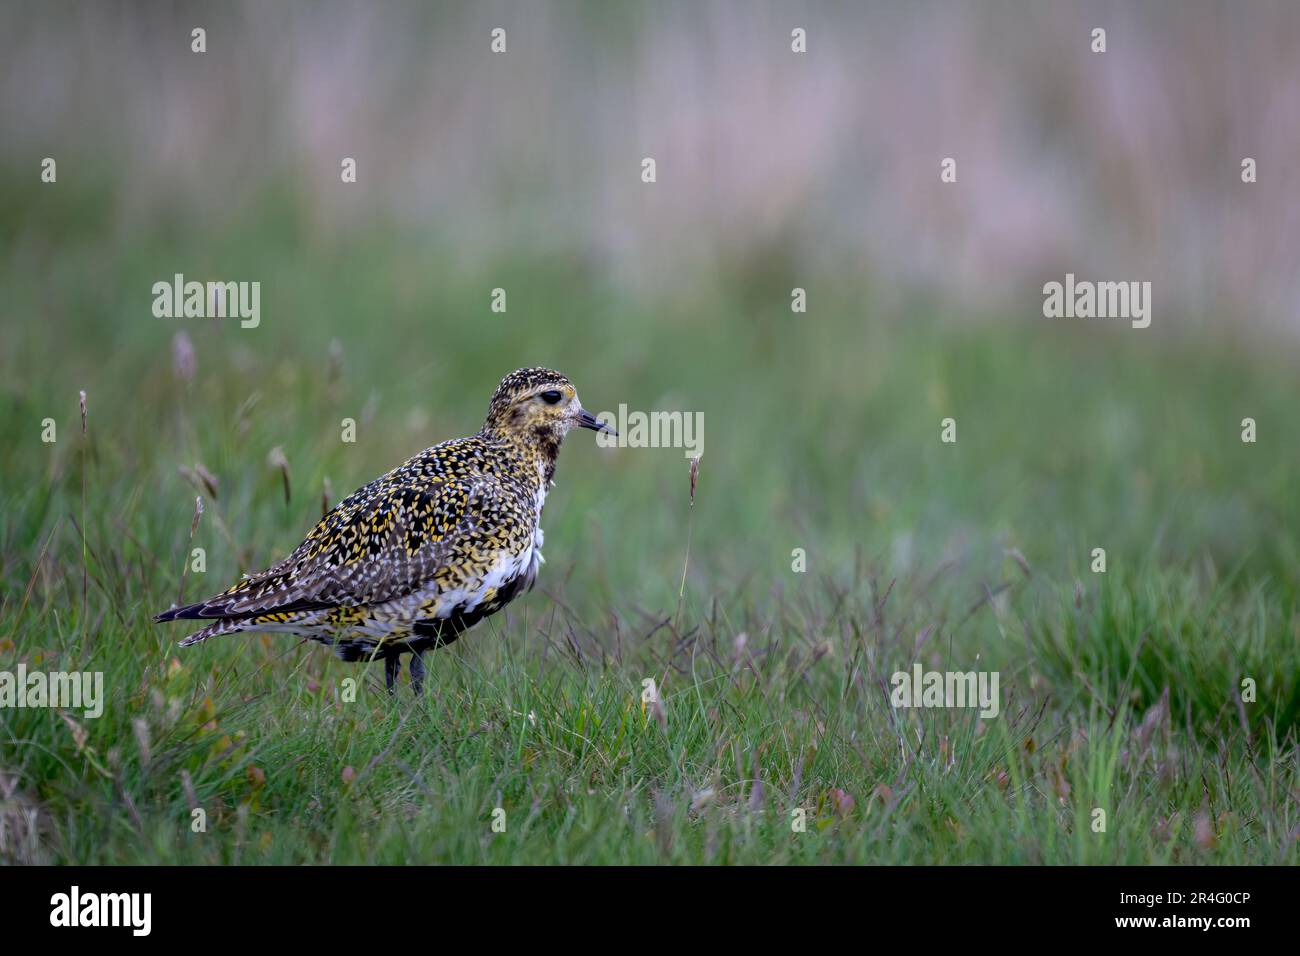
(417, 556)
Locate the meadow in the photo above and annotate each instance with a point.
(1121, 691)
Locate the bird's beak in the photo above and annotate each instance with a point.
(588, 420)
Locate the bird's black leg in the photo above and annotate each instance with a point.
(392, 667)
(417, 671)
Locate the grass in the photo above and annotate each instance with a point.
(1121, 691)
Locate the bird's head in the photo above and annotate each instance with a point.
(538, 405)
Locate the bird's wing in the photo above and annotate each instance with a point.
(386, 540)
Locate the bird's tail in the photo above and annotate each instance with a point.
(213, 630)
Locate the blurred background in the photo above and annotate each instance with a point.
(1122, 163)
(775, 170)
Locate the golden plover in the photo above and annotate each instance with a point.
(417, 556)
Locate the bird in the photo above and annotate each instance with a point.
(413, 559)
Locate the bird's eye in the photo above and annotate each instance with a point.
(551, 397)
